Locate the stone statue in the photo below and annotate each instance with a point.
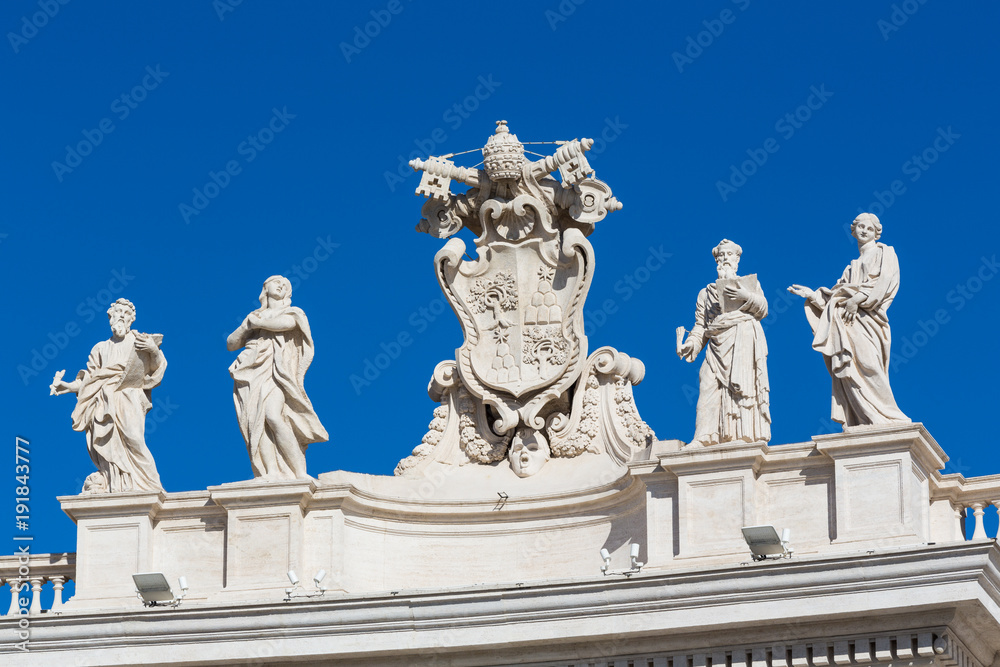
(522, 387)
(276, 417)
(733, 398)
(851, 329)
(112, 399)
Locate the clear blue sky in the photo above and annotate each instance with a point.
(681, 94)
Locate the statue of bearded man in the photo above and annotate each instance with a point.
(112, 399)
(733, 394)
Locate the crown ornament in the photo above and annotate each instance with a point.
(503, 154)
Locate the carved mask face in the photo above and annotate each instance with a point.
(121, 319)
(529, 451)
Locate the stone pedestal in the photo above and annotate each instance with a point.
(882, 488)
(716, 489)
(264, 533)
(114, 538)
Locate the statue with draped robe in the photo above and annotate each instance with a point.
(733, 396)
(112, 399)
(276, 418)
(850, 326)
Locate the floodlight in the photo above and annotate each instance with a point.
(153, 589)
(634, 555)
(764, 541)
(293, 593)
(318, 580)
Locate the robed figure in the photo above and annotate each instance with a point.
(113, 397)
(850, 324)
(733, 397)
(276, 418)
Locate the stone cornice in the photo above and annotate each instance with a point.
(786, 597)
(865, 440)
(129, 503)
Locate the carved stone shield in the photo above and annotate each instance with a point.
(521, 307)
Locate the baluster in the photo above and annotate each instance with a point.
(980, 532)
(996, 503)
(57, 589)
(36, 596)
(15, 584)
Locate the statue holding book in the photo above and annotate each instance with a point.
(733, 386)
(112, 399)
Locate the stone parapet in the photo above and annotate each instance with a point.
(465, 526)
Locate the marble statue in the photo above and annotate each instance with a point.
(520, 377)
(851, 329)
(733, 398)
(276, 417)
(112, 399)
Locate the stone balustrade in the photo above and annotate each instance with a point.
(974, 495)
(36, 570)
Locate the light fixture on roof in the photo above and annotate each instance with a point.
(294, 578)
(154, 589)
(764, 542)
(633, 557)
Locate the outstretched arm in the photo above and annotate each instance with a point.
(806, 293)
(58, 387)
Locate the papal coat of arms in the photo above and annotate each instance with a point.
(521, 385)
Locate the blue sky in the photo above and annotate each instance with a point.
(178, 154)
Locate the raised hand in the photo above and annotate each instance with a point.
(803, 291)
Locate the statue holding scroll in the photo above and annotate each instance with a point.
(733, 386)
